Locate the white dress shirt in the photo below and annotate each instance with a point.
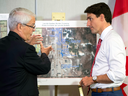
(110, 59)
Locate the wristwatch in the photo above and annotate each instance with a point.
(94, 78)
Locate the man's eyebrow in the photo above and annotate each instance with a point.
(88, 18)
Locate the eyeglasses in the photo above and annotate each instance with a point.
(30, 26)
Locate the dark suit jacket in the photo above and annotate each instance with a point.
(19, 67)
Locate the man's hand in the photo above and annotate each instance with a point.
(45, 50)
(86, 81)
(35, 39)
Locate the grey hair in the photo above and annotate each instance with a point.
(19, 15)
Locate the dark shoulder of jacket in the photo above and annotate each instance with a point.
(26, 46)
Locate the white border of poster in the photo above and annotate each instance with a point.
(59, 81)
(4, 16)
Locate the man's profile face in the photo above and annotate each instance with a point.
(93, 22)
(27, 31)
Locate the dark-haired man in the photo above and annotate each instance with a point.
(108, 70)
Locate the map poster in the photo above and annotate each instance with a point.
(74, 48)
(3, 25)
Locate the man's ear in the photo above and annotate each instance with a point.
(102, 17)
(19, 27)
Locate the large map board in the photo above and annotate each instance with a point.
(74, 48)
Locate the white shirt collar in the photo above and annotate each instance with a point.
(105, 31)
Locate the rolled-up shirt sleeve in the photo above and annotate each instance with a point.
(116, 56)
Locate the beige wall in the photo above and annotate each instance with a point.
(43, 8)
(70, 90)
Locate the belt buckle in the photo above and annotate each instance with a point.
(99, 90)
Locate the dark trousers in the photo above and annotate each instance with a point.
(112, 93)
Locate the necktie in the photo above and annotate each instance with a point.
(97, 49)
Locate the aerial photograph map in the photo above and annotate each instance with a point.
(73, 50)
